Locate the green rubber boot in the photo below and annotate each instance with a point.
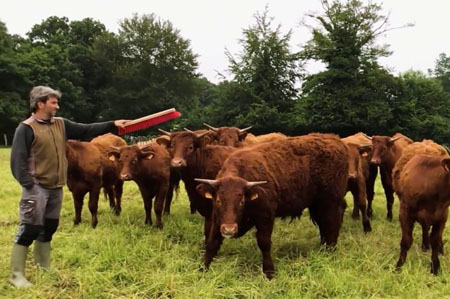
(42, 254)
(18, 259)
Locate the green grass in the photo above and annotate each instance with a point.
(123, 258)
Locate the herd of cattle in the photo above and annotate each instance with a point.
(238, 181)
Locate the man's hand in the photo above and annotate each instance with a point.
(121, 123)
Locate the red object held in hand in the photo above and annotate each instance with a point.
(149, 120)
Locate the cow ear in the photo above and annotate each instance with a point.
(164, 141)
(253, 193)
(113, 156)
(206, 190)
(446, 164)
(364, 150)
(242, 136)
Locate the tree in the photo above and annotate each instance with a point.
(13, 81)
(353, 92)
(150, 68)
(442, 71)
(265, 78)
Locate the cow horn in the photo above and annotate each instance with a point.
(251, 184)
(115, 148)
(395, 139)
(367, 136)
(165, 132)
(186, 129)
(210, 127)
(201, 134)
(245, 129)
(210, 182)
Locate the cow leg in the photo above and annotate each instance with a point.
(93, 205)
(436, 242)
(359, 195)
(78, 196)
(352, 186)
(159, 204)
(168, 200)
(109, 193)
(118, 191)
(328, 214)
(147, 195)
(213, 243)
(386, 180)
(370, 188)
(425, 236)
(407, 225)
(264, 239)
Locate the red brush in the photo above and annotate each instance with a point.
(149, 120)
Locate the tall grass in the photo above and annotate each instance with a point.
(123, 258)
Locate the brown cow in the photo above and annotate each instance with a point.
(251, 139)
(84, 175)
(386, 151)
(194, 159)
(426, 147)
(278, 179)
(358, 175)
(424, 192)
(229, 136)
(112, 184)
(149, 167)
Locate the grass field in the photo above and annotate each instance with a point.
(123, 258)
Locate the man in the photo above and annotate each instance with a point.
(39, 164)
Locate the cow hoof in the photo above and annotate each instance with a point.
(269, 274)
(367, 227)
(425, 248)
(355, 216)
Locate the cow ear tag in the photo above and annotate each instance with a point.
(208, 195)
(254, 196)
(364, 154)
(112, 158)
(149, 157)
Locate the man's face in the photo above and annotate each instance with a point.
(50, 107)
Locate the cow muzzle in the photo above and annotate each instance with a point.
(352, 176)
(375, 162)
(178, 163)
(228, 230)
(125, 176)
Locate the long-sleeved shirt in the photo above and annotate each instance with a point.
(21, 149)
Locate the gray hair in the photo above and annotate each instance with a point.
(40, 94)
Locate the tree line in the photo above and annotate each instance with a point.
(148, 67)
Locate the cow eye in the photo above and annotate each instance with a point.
(218, 201)
(134, 161)
(191, 147)
(242, 202)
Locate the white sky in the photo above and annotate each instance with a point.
(212, 25)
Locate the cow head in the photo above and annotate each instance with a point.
(229, 195)
(130, 158)
(381, 148)
(183, 145)
(229, 136)
(356, 153)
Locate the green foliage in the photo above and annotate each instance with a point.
(265, 74)
(353, 93)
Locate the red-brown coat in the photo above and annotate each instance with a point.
(194, 159)
(386, 152)
(149, 167)
(251, 139)
(299, 172)
(358, 175)
(84, 175)
(112, 184)
(424, 197)
(228, 136)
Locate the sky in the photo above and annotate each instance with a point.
(213, 26)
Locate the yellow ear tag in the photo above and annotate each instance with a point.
(208, 195)
(112, 158)
(149, 157)
(364, 154)
(254, 196)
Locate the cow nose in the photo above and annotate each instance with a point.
(228, 230)
(178, 162)
(124, 177)
(352, 175)
(375, 161)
